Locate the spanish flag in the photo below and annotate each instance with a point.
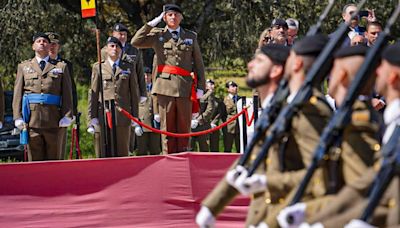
(88, 8)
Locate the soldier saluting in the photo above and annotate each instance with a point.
(42, 101)
(178, 54)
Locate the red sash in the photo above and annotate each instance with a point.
(182, 72)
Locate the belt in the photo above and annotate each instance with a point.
(35, 98)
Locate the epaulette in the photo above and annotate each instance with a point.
(156, 30)
(25, 61)
(190, 31)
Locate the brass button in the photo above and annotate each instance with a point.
(392, 203)
(268, 200)
(281, 200)
(377, 147)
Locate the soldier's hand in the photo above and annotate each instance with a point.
(143, 99)
(199, 93)
(205, 219)
(194, 124)
(65, 122)
(292, 216)
(356, 223)
(213, 125)
(91, 130)
(250, 185)
(157, 118)
(19, 123)
(138, 131)
(94, 122)
(233, 174)
(155, 21)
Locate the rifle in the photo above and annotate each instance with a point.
(315, 76)
(270, 113)
(390, 166)
(333, 131)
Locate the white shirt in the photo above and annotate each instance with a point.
(391, 116)
(112, 62)
(291, 97)
(178, 30)
(46, 59)
(267, 101)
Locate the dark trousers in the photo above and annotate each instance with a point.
(44, 144)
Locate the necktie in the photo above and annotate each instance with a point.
(114, 68)
(175, 35)
(42, 64)
(235, 98)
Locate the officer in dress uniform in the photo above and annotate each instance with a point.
(219, 114)
(55, 47)
(43, 101)
(178, 55)
(265, 71)
(232, 131)
(119, 84)
(148, 141)
(202, 122)
(359, 149)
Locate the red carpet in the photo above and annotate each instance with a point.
(153, 191)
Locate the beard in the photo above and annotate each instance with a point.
(254, 83)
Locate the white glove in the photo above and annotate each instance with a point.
(295, 213)
(199, 93)
(19, 123)
(195, 115)
(356, 223)
(90, 130)
(233, 174)
(138, 131)
(194, 124)
(143, 99)
(213, 125)
(65, 122)
(205, 219)
(250, 185)
(157, 118)
(94, 122)
(155, 21)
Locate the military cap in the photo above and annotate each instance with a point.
(120, 28)
(279, 22)
(210, 81)
(292, 23)
(311, 45)
(147, 69)
(276, 52)
(54, 37)
(392, 54)
(172, 7)
(114, 40)
(40, 34)
(360, 49)
(230, 83)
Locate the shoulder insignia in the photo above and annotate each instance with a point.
(360, 116)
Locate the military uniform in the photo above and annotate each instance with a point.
(45, 135)
(173, 90)
(231, 132)
(220, 114)
(149, 142)
(120, 86)
(207, 110)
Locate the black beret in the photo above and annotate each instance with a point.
(210, 81)
(40, 34)
(276, 52)
(114, 40)
(173, 7)
(120, 28)
(360, 49)
(230, 83)
(391, 53)
(279, 22)
(54, 37)
(310, 45)
(147, 69)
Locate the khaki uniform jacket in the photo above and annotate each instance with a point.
(207, 110)
(302, 139)
(146, 112)
(133, 56)
(55, 80)
(231, 110)
(121, 86)
(185, 53)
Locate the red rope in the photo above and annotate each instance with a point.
(185, 135)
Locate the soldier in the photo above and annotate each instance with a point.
(277, 33)
(119, 84)
(178, 54)
(148, 141)
(359, 150)
(43, 101)
(55, 47)
(219, 114)
(232, 131)
(202, 122)
(293, 29)
(265, 71)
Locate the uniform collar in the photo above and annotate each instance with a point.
(267, 101)
(392, 112)
(112, 62)
(178, 30)
(291, 97)
(46, 59)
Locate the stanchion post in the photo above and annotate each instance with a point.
(244, 123)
